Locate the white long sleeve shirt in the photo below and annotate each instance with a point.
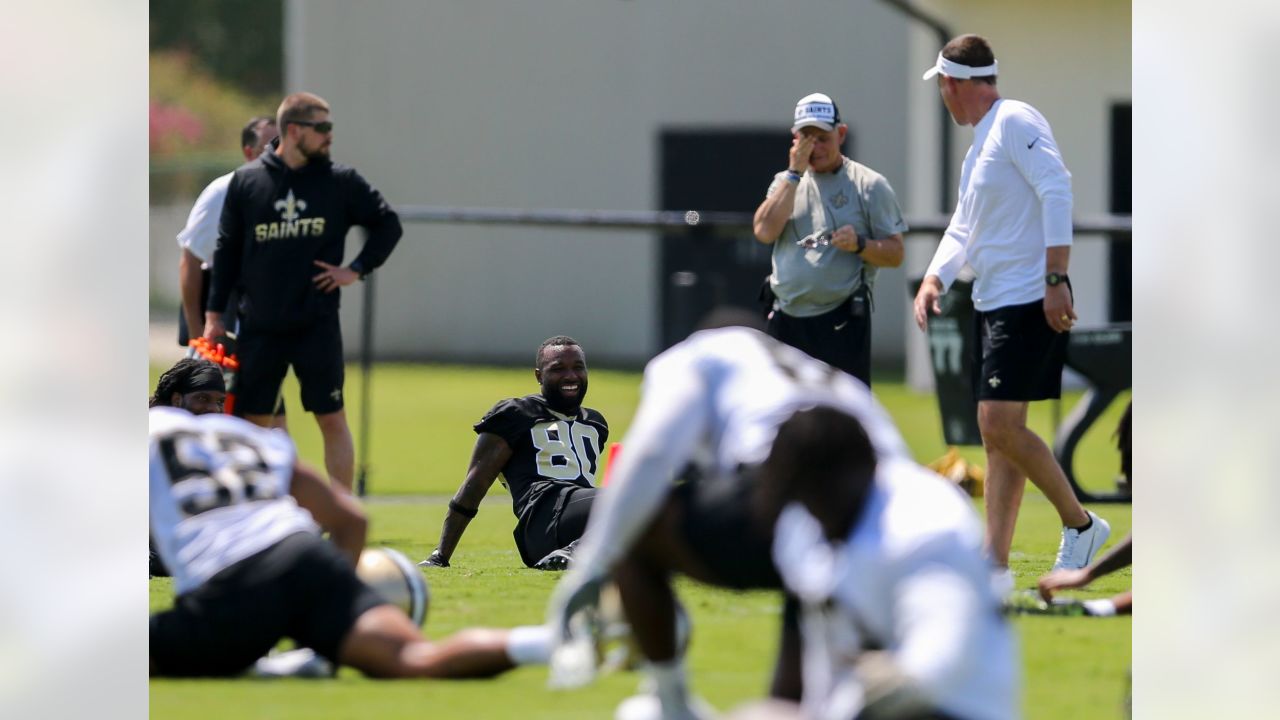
(715, 400)
(1014, 202)
(909, 580)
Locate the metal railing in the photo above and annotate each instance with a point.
(683, 221)
(694, 223)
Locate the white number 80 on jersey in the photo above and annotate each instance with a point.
(566, 451)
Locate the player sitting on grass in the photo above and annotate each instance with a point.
(238, 520)
(547, 447)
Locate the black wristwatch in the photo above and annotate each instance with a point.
(358, 268)
(862, 244)
(1055, 279)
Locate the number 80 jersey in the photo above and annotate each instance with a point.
(548, 449)
(219, 492)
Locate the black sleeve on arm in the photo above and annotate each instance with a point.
(508, 420)
(227, 256)
(596, 418)
(371, 211)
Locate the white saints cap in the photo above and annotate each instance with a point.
(956, 70)
(816, 110)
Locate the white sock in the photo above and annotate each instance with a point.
(1102, 607)
(529, 645)
(670, 684)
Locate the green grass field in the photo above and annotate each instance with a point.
(421, 441)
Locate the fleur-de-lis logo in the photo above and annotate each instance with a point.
(290, 206)
(840, 200)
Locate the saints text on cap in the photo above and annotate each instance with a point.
(816, 110)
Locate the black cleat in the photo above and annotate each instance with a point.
(434, 560)
(557, 559)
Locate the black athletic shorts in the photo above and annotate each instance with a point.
(840, 337)
(721, 531)
(315, 352)
(555, 520)
(301, 588)
(1017, 355)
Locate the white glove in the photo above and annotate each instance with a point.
(574, 622)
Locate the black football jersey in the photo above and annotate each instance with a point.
(548, 449)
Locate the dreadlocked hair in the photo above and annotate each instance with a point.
(176, 377)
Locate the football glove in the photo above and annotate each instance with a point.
(574, 620)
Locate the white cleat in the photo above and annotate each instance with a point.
(300, 663)
(1078, 548)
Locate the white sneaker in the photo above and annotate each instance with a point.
(1002, 582)
(647, 706)
(300, 663)
(1078, 548)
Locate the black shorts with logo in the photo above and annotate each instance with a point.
(315, 352)
(301, 588)
(721, 530)
(840, 337)
(1017, 356)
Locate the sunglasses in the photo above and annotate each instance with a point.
(816, 240)
(321, 127)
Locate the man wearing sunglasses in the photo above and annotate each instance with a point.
(281, 241)
(832, 222)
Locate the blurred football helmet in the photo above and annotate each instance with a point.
(395, 578)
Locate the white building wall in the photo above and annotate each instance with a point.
(559, 104)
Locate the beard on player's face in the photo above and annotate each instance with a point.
(566, 401)
(562, 376)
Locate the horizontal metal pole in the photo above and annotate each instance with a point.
(685, 221)
(219, 161)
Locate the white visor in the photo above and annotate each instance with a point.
(958, 71)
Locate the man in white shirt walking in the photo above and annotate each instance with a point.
(1012, 225)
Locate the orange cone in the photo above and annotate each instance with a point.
(610, 458)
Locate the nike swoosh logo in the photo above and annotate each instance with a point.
(841, 325)
(1033, 142)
